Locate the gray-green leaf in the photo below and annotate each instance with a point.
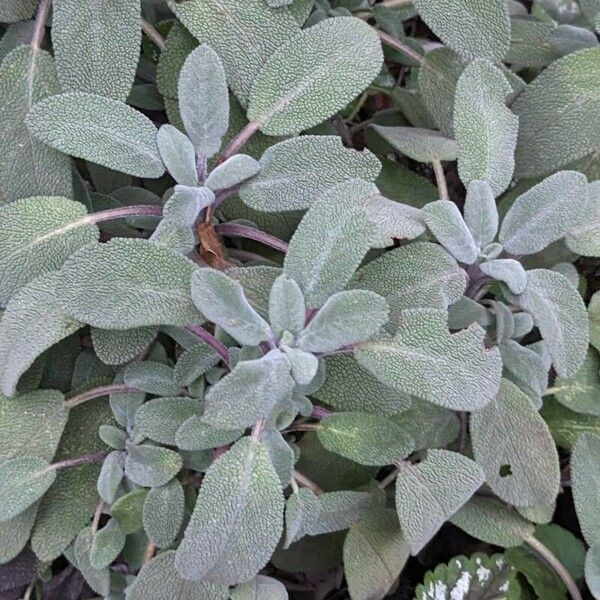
(159, 419)
(163, 513)
(106, 545)
(422, 145)
(287, 310)
(480, 213)
(581, 392)
(509, 271)
(151, 466)
(232, 172)
(177, 152)
(585, 476)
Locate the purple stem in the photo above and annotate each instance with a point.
(244, 231)
(40, 24)
(211, 340)
(98, 392)
(79, 460)
(239, 140)
(140, 210)
(319, 412)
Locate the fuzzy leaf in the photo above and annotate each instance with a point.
(559, 314)
(331, 241)
(286, 306)
(127, 510)
(151, 466)
(425, 360)
(508, 271)
(514, 447)
(422, 145)
(244, 40)
(23, 481)
(393, 220)
(446, 223)
(193, 363)
(107, 545)
(303, 365)
(159, 579)
(302, 509)
(249, 392)
(584, 237)
(177, 153)
(97, 579)
(485, 130)
(429, 493)
(261, 587)
(96, 46)
(26, 77)
(346, 318)
(195, 434)
(204, 100)
(238, 518)
(224, 302)
(545, 213)
(592, 570)
(339, 510)
(163, 513)
(296, 171)
(37, 236)
(98, 129)
(559, 115)
(32, 323)
(417, 275)
(114, 347)
(334, 61)
(232, 172)
(151, 377)
(525, 367)
(480, 213)
(474, 28)
(159, 419)
(375, 553)
(367, 439)
(581, 392)
(491, 521)
(133, 282)
(111, 476)
(17, 10)
(586, 474)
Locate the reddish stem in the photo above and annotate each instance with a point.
(211, 340)
(239, 140)
(140, 210)
(244, 231)
(79, 460)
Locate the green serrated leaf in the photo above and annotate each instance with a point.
(238, 518)
(96, 47)
(159, 419)
(133, 282)
(514, 447)
(334, 61)
(178, 155)
(163, 513)
(98, 129)
(422, 145)
(429, 493)
(423, 359)
(151, 466)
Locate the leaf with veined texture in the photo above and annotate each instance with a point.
(243, 35)
(37, 236)
(234, 171)
(249, 392)
(485, 130)
(447, 224)
(107, 543)
(223, 301)
(514, 447)
(99, 129)
(422, 145)
(423, 359)
(133, 283)
(347, 318)
(592, 565)
(302, 509)
(111, 476)
(508, 270)
(429, 493)
(261, 587)
(559, 313)
(481, 213)
(115, 347)
(151, 466)
(375, 552)
(238, 518)
(96, 45)
(195, 362)
(160, 418)
(287, 311)
(26, 77)
(393, 220)
(331, 241)
(194, 434)
(581, 392)
(585, 477)
(32, 322)
(474, 28)
(559, 115)
(204, 100)
(334, 61)
(151, 377)
(545, 213)
(12, 11)
(296, 171)
(159, 579)
(163, 513)
(177, 153)
(584, 237)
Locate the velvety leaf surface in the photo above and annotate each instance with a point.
(481, 213)
(163, 513)
(581, 392)
(584, 237)
(151, 466)
(232, 172)
(585, 472)
(178, 155)
(422, 145)
(114, 347)
(160, 418)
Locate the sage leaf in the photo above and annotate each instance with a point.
(514, 447)
(331, 241)
(481, 213)
(178, 155)
(302, 509)
(127, 510)
(580, 392)
(559, 314)
(393, 220)
(446, 223)
(485, 130)
(17, 10)
(585, 472)
(151, 377)
(303, 365)
(107, 544)
(224, 302)
(296, 171)
(249, 392)
(96, 47)
(23, 481)
(163, 513)
(508, 271)
(159, 419)
(423, 359)
(335, 61)
(558, 115)
(422, 145)
(115, 347)
(151, 466)
(583, 238)
(473, 28)
(26, 77)
(232, 172)
(261, 586)
(133, 282)
(100, 130)
(592, 570)
(194, 435)
(194, 363)
(204, 100)
(97, 579)
(545, 213)
(238, 518)
(429, 493)
(111, 475)
(287, 311)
